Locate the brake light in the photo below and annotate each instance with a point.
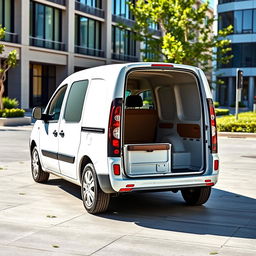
(214, 140)
(162, 65)
(114, 128)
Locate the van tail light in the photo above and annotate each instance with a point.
(214, 141)
(114, 128)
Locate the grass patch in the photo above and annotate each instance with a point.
(55, 246)
(246, 123)
(1, 169)
(213, 253)
(51, 216)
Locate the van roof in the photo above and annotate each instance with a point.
(112, 70)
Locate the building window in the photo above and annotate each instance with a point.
(88, 36)
(92, 3)
(123, 44)
(243, 21)
(7, 20)
(7, 14)
(42, 84)
(45, 26)
(244, 56)
(121, 8)
(93, 7)
(226, 19)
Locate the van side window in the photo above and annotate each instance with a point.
(75, 101)
(56, 103)
(147, 98)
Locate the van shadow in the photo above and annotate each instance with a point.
(225, 214)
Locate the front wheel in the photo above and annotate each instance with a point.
(38, 174)
(196, 196)
(94, 199)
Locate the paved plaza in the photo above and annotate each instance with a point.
(49, 219)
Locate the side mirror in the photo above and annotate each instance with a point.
(37, 113)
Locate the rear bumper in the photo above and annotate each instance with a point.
(162, 183)
(111, 183)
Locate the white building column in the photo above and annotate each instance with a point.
(70, 35)
(107, 34)
(231, 91)
(251, 92)
(24, 53)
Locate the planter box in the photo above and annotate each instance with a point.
(14, 121)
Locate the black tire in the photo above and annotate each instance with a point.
(38, 174)
(94, 199)
(196, 196)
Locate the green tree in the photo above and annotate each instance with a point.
(6, 62)
(187, 35)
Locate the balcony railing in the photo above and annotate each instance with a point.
(122, 20)
(155, 32)
(39, 42)
(89, 9)
(10, 37)
(62, 2)
(124, 57)
(89, 51)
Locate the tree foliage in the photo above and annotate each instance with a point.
(187, 35)
(6, 62)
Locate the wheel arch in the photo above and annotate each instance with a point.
(83, 162)
(32, 145)
(104, 180)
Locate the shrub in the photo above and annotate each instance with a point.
(14, 112)
(221, 111)
(240, 105)
(10, 103)
(216, 104)
(246, 123)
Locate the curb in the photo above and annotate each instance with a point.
(237, 135)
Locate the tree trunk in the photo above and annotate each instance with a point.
(1, 93)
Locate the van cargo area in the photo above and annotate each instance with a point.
(163, 123)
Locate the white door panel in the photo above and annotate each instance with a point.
(49, 145)
(49, 131)
(70, 129)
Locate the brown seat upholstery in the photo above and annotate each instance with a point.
(140, 126)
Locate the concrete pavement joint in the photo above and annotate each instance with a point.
(108, 244)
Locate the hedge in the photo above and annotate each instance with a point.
(14, 112)
(216, 104)
(246, 123)
(221, 111)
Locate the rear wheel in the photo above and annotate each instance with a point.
(94, 199)
(196, 196)
(38, 174)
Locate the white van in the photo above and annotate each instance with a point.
(129, 127)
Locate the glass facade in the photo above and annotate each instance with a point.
(42, 84)
(45, 26)
(88, 36)
(92, 3)
(121, 8)
(244, 56)
(230, 1)
(243, 21)
(123, 44)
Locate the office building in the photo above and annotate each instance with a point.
(241, 15)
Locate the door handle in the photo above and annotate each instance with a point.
(55, 133)
(61, 133)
